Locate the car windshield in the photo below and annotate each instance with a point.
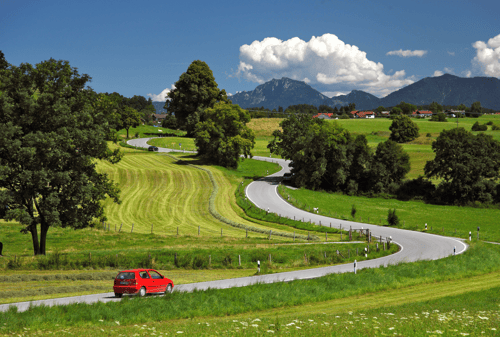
(126, 276)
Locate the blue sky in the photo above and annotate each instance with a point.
(142, 47)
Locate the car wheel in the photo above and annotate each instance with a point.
(118, 295)
(142, 292)
(169, 289)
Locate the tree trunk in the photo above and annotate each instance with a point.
(34, 237)
(43, 237)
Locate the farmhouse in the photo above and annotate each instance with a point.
(158, 117)
(363, 114)
(324, 115)
(422, 113)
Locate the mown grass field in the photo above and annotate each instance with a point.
(463, 288)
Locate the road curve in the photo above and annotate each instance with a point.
(263, 193)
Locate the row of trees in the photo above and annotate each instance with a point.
(326, 156)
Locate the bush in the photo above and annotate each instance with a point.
(479, 127)
(439, 117)
(419, 188)
(403, 129)
(392, 218)
(489, 123)
(495, 127)
(428, 134)
(353, 211)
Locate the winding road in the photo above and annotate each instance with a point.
(263, 193)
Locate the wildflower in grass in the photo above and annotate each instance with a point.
(464, 334)
(483, 318)
(101, 320)
(117, 322)
(271, 331)
(256, 320)
(298, 327)
(493, 329)
(255, 325)
(290, 324)
(391, 328)
(180, 331)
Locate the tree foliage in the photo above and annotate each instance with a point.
(390, 165)
(195, 91)
(407, 108)
(222, 135)
(403, 129)
(326, 156)
(439, 117)
(468, 164)
(51, 135)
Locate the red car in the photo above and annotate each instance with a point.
(142, 282)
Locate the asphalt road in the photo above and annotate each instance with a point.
(263, 193)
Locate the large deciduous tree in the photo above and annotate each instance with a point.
(195, 91)
(222, 135)
(403, 129)
(50, 137)
(469, 166)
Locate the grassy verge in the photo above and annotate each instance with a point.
(480, 259)
(412, 311)
(444, 220)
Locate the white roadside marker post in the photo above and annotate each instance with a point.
(258, 266)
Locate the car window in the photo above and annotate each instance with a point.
(126, 276)
(154, 274)
(144, 274)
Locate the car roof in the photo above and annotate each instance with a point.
(134, 270)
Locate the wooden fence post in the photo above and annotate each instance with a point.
(132, 228)
(198, 230)
(120, 227)
(151, 228)
(239, 260)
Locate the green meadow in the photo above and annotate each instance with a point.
(166, 198)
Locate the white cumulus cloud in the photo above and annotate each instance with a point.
(162, 96)
(452, 53)
(407, 53)
(325, 62)
(488, 56)
(438, 73)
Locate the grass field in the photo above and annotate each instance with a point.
(443, 220)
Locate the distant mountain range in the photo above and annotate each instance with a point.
(445, 90)
(159, 107)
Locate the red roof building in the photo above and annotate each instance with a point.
(422, 113)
